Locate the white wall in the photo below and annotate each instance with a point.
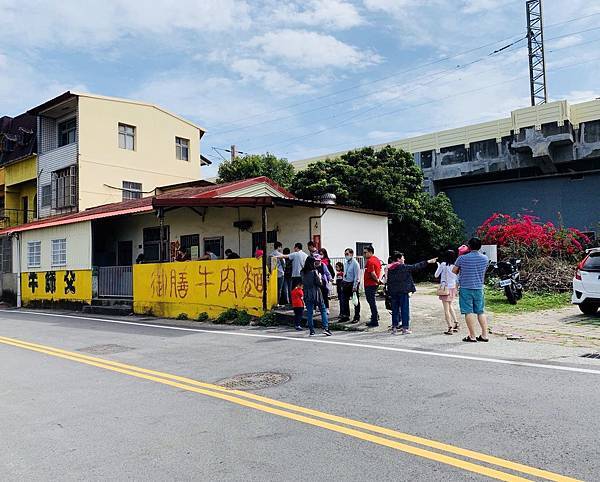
(343, 229)
(79, 246)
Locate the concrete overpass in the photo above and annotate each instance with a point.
(542, 160)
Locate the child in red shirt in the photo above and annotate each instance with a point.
(298, 305)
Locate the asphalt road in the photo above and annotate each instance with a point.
(67, 416)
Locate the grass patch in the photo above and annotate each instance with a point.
(496, 302)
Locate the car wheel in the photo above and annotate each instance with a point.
(588, 308)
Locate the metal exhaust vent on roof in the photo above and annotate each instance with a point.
(328, 198)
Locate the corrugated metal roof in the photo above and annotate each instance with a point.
(146, 204)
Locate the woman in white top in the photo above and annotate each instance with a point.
(447, 289)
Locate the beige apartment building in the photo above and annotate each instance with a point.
(95, 150)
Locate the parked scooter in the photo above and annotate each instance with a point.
(510, 279)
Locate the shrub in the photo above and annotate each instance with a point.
(547, 275)
(183, 316)
(227, 316)
(243, 318)
(527, 237)
(202, 317)
(268, 319)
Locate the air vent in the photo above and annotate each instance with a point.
(328, 198)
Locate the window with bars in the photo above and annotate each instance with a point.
(67, 132)
(182, 148)
(46, 195)
(132, 190)
(151, 238)
(59, 252)
(6, 253)
(34, 254)
(126, 137)
(64, 188)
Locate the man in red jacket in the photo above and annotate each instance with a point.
(371, 282)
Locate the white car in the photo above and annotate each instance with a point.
(586, 283)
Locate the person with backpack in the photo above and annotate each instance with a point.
(400, 285)
(313, 297)
(447, 289)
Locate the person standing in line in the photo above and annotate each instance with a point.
(339, 277)
(312, 249)
(471, 268)
(287, 278)
(298, 258)
(313, 297)
(447, 290)
(326, 261)
(350, 286)
(278, 247)
(298, 306)
(323, 272)
(399, 286)
(371, 283)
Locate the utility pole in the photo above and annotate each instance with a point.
(535, 43)
(233, 152)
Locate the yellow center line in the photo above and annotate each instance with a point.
(237, 397)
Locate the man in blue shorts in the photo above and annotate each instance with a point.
(471, 268)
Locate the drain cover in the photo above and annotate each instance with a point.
(591, 355)
(254, 381)
(105, 349)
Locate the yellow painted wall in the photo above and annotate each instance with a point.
(13, 201)
(68, 286)
(193, 287)
(24, 170)
(152, 163)
(2, 176)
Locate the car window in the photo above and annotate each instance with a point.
(593, 262)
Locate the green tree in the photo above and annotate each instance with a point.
(255, 165)
(387, 180)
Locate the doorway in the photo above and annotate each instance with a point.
(125, 253)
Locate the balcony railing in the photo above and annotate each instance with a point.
(14, 217)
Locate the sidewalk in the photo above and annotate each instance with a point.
(566, 326)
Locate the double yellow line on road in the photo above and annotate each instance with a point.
(353, 428)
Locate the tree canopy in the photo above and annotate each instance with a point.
(255, 165)
(387, 180)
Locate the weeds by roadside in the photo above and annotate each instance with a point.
(496, 302)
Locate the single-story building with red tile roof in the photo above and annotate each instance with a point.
(196, 217)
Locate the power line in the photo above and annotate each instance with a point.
(380, 79)
(400, 96)
(367, 94)
(292, 140)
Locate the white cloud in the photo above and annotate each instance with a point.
(564, 42)
(330, 14)
(22, 86)
(476, 6)
(304, 49)
(269, 77)
(75, 25)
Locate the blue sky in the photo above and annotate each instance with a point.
(297, 78)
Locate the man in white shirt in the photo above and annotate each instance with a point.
(298, 258)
